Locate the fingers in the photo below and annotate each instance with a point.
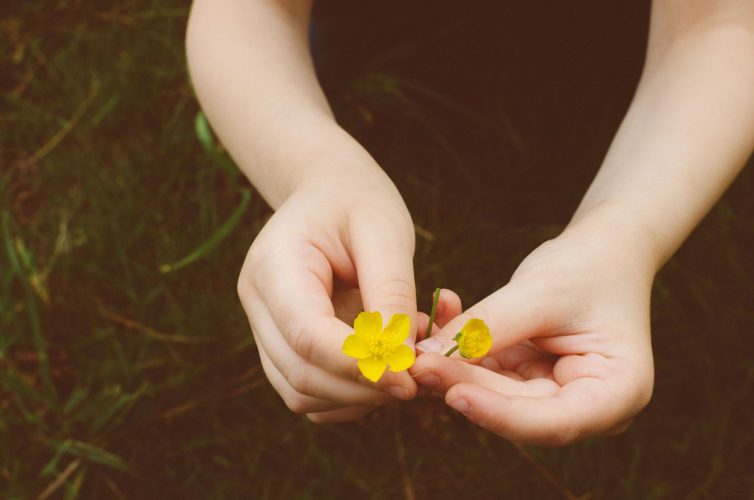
(582, 408)
(384, 266)
(317, 410)
(440, 373)
(422, 322)
(347, 304)
(303, 377)
(525, 359)
(341, 415)
(294, 292)
(448, 307)
(513, 314)
(288, 288)
(385, 271)
(577, 397)
(294, 400)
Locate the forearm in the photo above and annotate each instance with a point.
(688, 132)
(253, 75)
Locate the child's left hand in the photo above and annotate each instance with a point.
(571, 354)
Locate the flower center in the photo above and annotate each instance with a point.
(378, 348)
(473, 342)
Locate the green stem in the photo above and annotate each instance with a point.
(218, 236)
(435, 299)
(451, 351)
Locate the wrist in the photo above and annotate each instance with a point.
(335, 164)
(343, 178)
(351, 183)
(616, 230)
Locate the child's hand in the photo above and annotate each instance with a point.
(571, 354)
(324, 251)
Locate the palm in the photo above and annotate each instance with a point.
(570, 354)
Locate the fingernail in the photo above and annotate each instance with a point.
(429, 380)
(431, 344)
(398, 392)
(460, 405)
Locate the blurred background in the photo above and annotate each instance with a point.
(127, 369)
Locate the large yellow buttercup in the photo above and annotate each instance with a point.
(379, 348)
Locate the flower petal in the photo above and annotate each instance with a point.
(367, 324)
(356, 347)
(397, 329)
(474, 339)
(474, 325)
(402, 358)
(372, 368)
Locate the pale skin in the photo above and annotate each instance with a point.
(571, 354)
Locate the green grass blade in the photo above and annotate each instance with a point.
(52, 466)
(16, 384)
(31, 306)
(73, 487)
(111, 410)
(105, 110)
(218, 236)
(204, 134)
(97, 455)
(15, 265)
(77, 395)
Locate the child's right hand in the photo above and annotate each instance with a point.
(328, 249)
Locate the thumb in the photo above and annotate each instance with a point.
(512, 314)
(385, 273)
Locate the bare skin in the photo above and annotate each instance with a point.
(571, 356)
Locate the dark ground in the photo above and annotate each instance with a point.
(121, 381)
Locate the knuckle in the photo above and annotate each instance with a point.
(565, 435)
(299, 379)
(644, 395)
(621, 428)
(256, 254)
(480, 310)
(245, 289)
(297, 403)
(638, 395)
(487, 420)
(396, 293)
(316, 418)
(241, 286)
(301, 340)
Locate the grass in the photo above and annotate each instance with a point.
(118, 380)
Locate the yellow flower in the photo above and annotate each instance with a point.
(376, 348)
(474, 339)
